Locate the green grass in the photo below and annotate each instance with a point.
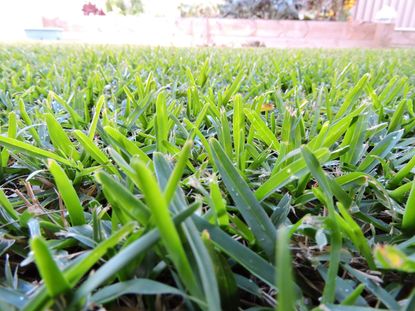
(206, 179)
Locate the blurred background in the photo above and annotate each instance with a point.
(235, 23)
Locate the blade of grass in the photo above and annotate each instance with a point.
(94, 151)
(354, 295)
(5, 203)
(357, 236)
(241, 254)
(408, 219)
(127, 145)
(264, 133)
(232, 89)
(123, 258)
(95, 118)
(401, 174)
(30, 150)
(352, 96)
(218, 203)
(238, 129)
(121, 198)
(225, 278)
(11, 133)
(297, 169)
(158, 205)
(177, 173)
(59, 138)
(376, 290)
(75, 272)
(28, 121)
(336, 240)
(76, 118)
(136, 286)
(285, 280)
(381, 150)
(397, 117)
(12, 297)
(161, 122)
(68, 193)
(53, 277)
(206, 269)
(245, 200)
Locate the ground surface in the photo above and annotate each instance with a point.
(208, 179)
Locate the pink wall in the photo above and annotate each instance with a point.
(231, 32)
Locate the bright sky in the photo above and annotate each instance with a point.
(16, 15)
(29, 9)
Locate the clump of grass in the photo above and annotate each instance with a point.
(206, 179)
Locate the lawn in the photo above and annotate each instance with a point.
(206, 179)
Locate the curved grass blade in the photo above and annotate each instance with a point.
(30, 150)
(53, 277)
(177, 173)
(68, 193)
(59, 138)
(356, 236)
(297, 169)
(126, 144)
(161, 122)
(218, 203)
(245, 200)
(120, 197)
(408, 219)
(75, 272)
(202, 138)
(95, 118)
(76, 118)
(380, 150)
(160, 212)
(94, 151)
(226, 282)
(206, 269)
(11, 132)
(243, 255)
(264, 133)
(401, 174)
(352, 96)
(8, 207)
(399, 193)
(354, 138)
(29, 123)
(335, 131)
(336, 239)
(136, 286)
(397, 116)
(354, 295)
(232, 89)
(123, 258)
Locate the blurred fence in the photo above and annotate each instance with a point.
(365, 10)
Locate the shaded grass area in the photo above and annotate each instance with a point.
(208, 179)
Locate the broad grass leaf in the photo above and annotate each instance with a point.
(253, 213)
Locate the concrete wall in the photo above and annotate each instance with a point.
(402, 38)
(231, 32)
